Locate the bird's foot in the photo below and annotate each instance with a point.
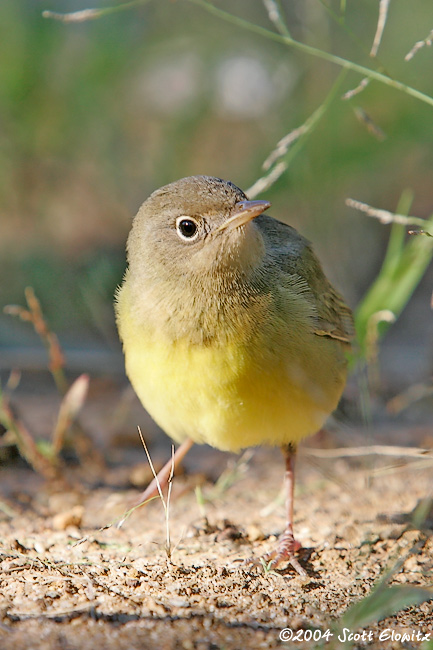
(285, 552)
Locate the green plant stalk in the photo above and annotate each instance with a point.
(286, 39)
(403, 267)
(352, 35)
(314, 51)
(265, 182)
(397, 236)
(315, 118)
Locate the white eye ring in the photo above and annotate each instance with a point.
(187, 228)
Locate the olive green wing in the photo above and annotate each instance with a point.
(295, 256)
(334, 317)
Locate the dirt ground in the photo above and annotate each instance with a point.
(69, 582)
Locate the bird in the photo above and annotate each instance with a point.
(231, 332)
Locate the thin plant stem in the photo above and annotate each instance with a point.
(167, 510)
(273, 7)
(314, 51)
(371, 450)
(385, 216)
(381, 22)
(91, 14)
(35, 316)
(383, 15)
(165, 502)
(339, 20)
(279, 159)
(46, 467)
(428, 40)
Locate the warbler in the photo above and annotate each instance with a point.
(231, 332)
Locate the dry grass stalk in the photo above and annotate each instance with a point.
(384, 216)
(235, 470)
(359, 88)
(284, 145)
(74, 16)
(274, 12)
(371, 450)
(418, 45)
(372, 346)
(165, 501)
(383, 15)
(35, 316)
(43, 465)
(381, 22)
(278, 156)
(265, 182)
(83, 15)
(73, 398)
(372, 127)
(71, 405)
(408, 397)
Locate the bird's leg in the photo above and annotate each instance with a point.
(163, 475)
(287, 545)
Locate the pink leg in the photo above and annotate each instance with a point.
(287, 545)
(163, 475)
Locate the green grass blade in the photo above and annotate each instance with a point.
(404, 266)
(382, 602)
(397, 236)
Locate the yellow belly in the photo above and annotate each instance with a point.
(226, 396)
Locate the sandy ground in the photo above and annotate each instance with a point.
(70, 581)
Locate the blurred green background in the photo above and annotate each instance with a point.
(96, 115)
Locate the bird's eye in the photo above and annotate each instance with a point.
(187, 228)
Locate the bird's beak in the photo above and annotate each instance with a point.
(243, 212)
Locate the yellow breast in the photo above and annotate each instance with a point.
(231, 395)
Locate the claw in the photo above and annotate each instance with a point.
(287, 545)
(285, 552)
